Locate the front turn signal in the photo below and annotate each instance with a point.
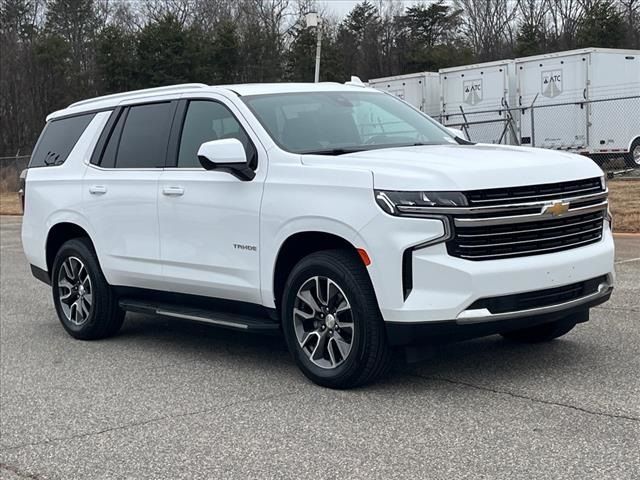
(364, 256)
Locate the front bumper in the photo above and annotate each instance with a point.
(463, 328)
(445, 287)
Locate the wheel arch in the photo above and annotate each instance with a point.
(59, 234)
(297, 246)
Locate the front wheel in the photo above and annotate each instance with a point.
(331, 321)
(542, 333)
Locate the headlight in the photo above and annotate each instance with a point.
(395, 202)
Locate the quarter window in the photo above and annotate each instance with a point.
(205, 121)
(58, 139)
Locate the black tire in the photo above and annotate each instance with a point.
(630, 160)
(542, 333)
(104, 317)
(370, 355)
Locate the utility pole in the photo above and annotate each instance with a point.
(314, 20)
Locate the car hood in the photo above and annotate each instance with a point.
(461, 167)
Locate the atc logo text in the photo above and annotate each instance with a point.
(552, 83)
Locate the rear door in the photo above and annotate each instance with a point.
(120, 192)
(209, 220)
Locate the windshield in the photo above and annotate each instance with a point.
(334, 123)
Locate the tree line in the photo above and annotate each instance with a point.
(54, 52)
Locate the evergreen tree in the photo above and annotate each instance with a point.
(602, 25)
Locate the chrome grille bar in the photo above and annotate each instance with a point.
(532, 217)
(515, 232)
(544, 239)
(554, 195)
(532, 251)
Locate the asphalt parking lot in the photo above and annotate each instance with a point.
(173, 400)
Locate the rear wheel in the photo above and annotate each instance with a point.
(542, 333)
(331, 321)
(633, 157)
(84, 301)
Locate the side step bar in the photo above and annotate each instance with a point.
(234, 321)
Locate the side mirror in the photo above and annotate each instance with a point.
(226, 155)
(457, 133)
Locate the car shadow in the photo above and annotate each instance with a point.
(495, 358)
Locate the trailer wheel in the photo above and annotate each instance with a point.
(632, 158)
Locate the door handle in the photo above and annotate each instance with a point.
(173, 191)
(97, 189)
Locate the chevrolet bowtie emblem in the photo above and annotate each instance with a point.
(556, 209)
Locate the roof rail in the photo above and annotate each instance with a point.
(168, 88)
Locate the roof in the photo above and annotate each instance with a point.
(111, 101)
(581, 51)
(473, 66)
(402, 77)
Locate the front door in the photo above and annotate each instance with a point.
(209, 220)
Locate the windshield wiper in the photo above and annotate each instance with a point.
(335, 151)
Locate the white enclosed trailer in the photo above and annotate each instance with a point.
(477, 99)
(422, 90)
(587, 101)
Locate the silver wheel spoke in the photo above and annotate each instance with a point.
(66, 285)
(309, 336)
(332, 354)
(323, 322)
(342, 345)
(307, 298)
(68, 270)
(305, 315)
(75, 293)
(319, 350)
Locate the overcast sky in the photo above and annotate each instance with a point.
(341, 7)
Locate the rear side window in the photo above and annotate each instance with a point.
(58, 139)
(143, 142)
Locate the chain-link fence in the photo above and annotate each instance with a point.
(607, 129)
(10, 168)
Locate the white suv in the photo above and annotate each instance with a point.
(336, 213)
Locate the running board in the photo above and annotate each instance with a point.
(234, 321)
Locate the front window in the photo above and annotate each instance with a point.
(333, 123)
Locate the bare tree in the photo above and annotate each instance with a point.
(489, 26)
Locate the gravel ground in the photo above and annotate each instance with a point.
(174, 400)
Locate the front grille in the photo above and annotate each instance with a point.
(498, 225)
(539, 298)
(533, 193)
(530, 238)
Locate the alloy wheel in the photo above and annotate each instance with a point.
(323, 322)
(75, 292)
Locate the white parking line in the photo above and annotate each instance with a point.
(628, 260)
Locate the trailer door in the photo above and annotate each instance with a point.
(559, 87)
